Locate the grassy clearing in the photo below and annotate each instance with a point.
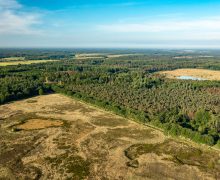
(89, 56)
(101, 55)
(197, 73)
(13, 63)
(13, 59)
(121, 55)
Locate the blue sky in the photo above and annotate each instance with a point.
(110, 23)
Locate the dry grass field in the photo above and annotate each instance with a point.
(13, 59)
(24, 62)
(55, 137)
(197, 73)
(121, 55)
(89, 56)
(101, 55)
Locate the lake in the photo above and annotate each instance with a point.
(190, 78)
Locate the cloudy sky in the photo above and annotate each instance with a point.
(110, 23)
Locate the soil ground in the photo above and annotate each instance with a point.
(55, 137)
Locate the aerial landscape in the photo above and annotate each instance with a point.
(132, 94)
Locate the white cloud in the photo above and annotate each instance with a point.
(195, 29)
(14, 20)
(9, 4)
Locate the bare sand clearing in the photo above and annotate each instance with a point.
(92, 144)
(196, 73)
(39, 124)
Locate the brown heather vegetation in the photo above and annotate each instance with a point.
(92, 144)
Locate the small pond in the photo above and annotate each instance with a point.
(190, 78)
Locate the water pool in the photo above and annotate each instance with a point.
(190, 78)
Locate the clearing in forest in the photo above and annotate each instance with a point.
(10, 63)
(61, 138)
(195, 73)
(101, 55)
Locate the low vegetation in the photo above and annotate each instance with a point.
(91, 144)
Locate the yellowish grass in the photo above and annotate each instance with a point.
(13, 59)
(89, 57)
(197, 73)
(121, 55)
(100, 55)
(89, 54)
(39, 124)
(25, 62)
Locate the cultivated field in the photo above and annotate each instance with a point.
(10, 63)
(197, 73)
(55, 137)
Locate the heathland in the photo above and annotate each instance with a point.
(55, 137)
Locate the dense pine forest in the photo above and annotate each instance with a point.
(125, 82)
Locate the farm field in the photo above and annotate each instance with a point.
(10, 63)
(197, 73)
(55, 137)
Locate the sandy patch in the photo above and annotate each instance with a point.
(197, 73)
(39, 124)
